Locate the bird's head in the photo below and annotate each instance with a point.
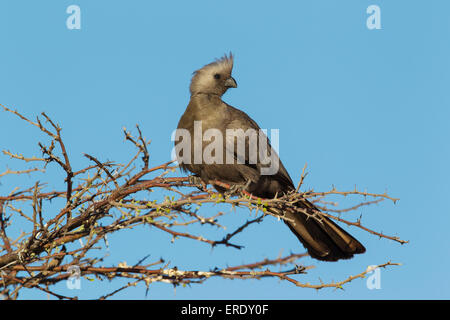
(214, 78)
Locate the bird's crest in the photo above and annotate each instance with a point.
(224, 64)
(201, 78)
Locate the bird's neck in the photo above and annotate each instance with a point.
(207, 98)
(207, 94)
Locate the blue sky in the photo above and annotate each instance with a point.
(362, 107)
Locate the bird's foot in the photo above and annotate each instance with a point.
(237, 188)
(197, 182)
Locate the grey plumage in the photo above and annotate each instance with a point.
(324, 240)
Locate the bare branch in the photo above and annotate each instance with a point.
(105, 198)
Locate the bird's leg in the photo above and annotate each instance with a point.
(237, 188)
(198, 182)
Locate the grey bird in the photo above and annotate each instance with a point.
(323, 239)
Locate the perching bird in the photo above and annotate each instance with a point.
(324, 240)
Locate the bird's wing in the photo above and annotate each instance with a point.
(240, 120)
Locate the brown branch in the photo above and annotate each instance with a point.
(3, 223)
(101, 201)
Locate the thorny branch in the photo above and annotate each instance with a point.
(105, 197)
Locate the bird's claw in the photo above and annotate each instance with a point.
(237, 188)
(197, 182)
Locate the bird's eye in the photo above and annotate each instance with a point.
(217, 76)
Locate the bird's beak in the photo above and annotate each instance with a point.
(230, 83)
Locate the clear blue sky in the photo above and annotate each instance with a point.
(362, 107)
